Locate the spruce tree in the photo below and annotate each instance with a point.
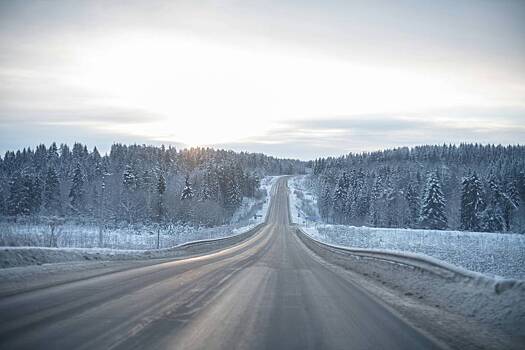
(19, 200)
(233, 194)
(413, 203)
(471, 203)
(493, 216)
(52, 192)
(340, 196)
(433, 205)
(511, 204)
(76, 193)
(187, 192)
(161, 188)
(325, 202)
(130, 179)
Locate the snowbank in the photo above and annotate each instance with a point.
(23, 256)
(491, 301)
(493, 254)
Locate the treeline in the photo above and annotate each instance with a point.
(467, 187)
(134, 183)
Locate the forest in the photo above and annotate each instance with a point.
(132, 183)
(469, 187)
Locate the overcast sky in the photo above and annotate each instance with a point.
(289, 78)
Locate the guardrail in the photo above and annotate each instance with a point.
(24, 256)
(493, 301)
(218, 242)
(411, 260)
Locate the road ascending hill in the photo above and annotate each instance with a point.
(265, 293)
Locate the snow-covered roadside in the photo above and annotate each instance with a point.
(261, 208)
(493, 254)
(470, 308)
(23, 256)
(303, 203)
(133, 237)
(171, 245)
(60, 265)
(427, 293)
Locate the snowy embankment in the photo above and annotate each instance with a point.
(496, 303)
(28, 244)
(493, 254)
(428, 266)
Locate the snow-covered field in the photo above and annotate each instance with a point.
(493, 254)
(137, 237)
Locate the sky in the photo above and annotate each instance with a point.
(290, 78)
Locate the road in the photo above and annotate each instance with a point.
(265, 293)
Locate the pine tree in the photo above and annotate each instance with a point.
(161, 188)
(511, 199)
(52, 192)
(19, 200)
(433, 205)
(493, 216)
(233, 195)
(471, 203)
(340, 196)
(130, 179)
(187, 192)
(209, 186)
(413, 203)
(325, 202)
(76, 193)
(374, 216)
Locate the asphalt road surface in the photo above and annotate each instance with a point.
(265, 293)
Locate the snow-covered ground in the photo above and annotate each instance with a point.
(494, 254)
(303, 203)
(137, 237)
(257, 214)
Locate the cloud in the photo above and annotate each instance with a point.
(308, 139)
(94, 116)
(303, 139)
(18, 136)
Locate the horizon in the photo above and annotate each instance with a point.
(106, 151)
(287, 79)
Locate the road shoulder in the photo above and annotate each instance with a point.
(447, 328)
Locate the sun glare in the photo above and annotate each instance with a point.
(203, 92)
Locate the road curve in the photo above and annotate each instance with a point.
(265, 293)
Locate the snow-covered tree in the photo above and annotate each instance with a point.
(76, 192)
(130, 179)
(51, 197)
(161, 188)
(122, 185)
(432, 214)
(472, 204)
(493, 217)
(511, 203)
(187, 192)
(24, 196)
(412, 198)
(340, 196)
